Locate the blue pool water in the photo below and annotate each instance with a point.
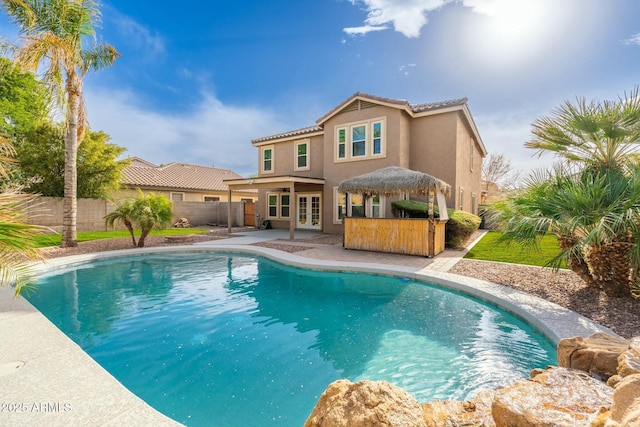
(235, 340)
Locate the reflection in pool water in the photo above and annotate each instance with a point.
(237, 340)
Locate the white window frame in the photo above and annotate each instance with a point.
(348, 206)
(337, 205)
(307, 156)
(263, 151)
(472, 149)
(370, 205)
(474, 204)
(278, 205)
(204, 198)
(176, 193)
(348, 146)
(461, 199)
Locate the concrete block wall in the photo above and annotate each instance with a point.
(47, 211)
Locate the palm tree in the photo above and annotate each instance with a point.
(604, 134)
(595, 216)
(151, 211)
(146, 212)
(591, 200)
(123, 213)
(55, 35)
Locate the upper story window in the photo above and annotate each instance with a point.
(358, 141)
(267, 159)
(302, 156)
(361, 140)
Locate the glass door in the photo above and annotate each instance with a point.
(309, 211)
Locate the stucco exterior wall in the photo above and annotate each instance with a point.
(468, 172)
(438, 142)
(433, 148)
(397, 153)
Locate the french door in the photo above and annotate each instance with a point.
(309, 211)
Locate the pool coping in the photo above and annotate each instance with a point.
(35, 349)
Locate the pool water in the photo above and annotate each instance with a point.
(238, 340)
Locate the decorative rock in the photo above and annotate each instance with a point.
(625, 409)
(453, 413)
(557, 397)
(365, 404)
(182, 223)
(597, 354)
(629, 361)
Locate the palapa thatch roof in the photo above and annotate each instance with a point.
(393, 179)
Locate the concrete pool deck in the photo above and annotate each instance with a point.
(47, 380)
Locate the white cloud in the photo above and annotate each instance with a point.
(634, 39)
(138, 35)
(210, 134)
(407, 16)
(506, 133)
(352, 31)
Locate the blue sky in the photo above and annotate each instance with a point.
(196, 84)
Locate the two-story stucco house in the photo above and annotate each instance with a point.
(299, 171)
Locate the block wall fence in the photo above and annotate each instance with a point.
(47, 211)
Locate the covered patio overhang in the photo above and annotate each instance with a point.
(269, 183)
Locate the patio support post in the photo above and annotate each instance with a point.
(229, 211)
(294, 202)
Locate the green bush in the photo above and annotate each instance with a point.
(458, 229)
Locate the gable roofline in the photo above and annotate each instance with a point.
(302, 132)
(413, 110)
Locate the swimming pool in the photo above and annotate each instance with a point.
(233, 339)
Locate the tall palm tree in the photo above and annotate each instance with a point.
(55, 35)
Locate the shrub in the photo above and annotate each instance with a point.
(458, 229)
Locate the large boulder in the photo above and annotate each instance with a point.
(454, 413)
(597, 354)
(556, 397)
(365, 404)
(625, 409)
(629, 361)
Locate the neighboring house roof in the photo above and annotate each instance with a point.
(362, 99)
(183, 176)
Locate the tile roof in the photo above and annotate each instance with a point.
(413, 108)
(177, 175)
(297, 132)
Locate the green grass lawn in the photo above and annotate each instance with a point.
(46, 240)
(489, 249)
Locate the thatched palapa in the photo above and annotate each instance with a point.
(394, 179)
